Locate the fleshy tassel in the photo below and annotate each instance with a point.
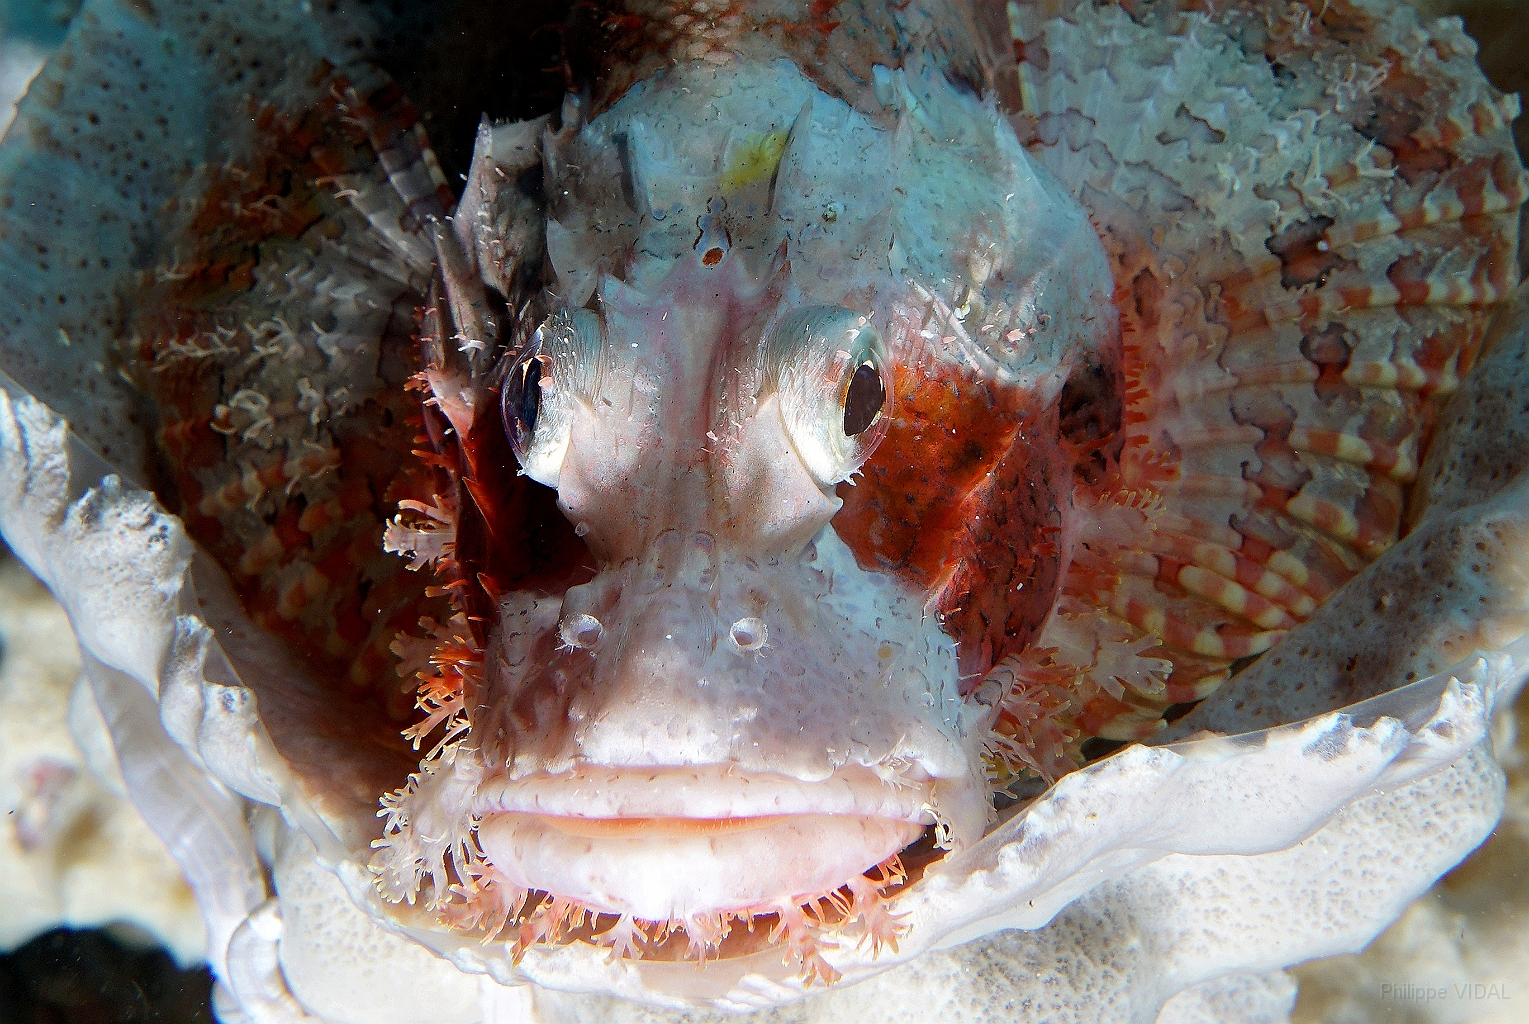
(878, 926)
(428, 832)
(805, 940)
(705, 933)
(625, 939)
(429, 541)
(484, 902)
(552, 921)
(445, 663)
(1034, 730)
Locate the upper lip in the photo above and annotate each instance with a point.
(709, 792)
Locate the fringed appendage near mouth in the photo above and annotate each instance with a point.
(795, 881)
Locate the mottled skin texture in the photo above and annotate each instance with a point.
(693, 420)
(1161, 351)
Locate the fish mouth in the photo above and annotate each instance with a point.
(682, 869)
(680, 845)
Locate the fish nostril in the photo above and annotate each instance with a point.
(580, 631)
(713, 241)
(748, 633)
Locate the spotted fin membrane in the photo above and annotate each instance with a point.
(277, 338)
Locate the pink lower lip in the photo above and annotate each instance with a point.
(708, 792)
(663, 869)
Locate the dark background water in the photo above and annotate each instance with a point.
(89, 977)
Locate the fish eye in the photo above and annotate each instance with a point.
(829, 368)
(521, 397)
(864, 399)
(546, 382)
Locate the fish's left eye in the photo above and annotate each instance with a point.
(829, 369)
(864, 399)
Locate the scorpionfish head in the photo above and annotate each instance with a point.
(802, 387)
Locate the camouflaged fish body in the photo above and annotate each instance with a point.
(1139, 372)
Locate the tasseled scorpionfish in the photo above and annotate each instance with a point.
(835, 421)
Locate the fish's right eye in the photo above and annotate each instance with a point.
(545, 386)
(521, 398)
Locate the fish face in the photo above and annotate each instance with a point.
(727, 633)
(749, 282)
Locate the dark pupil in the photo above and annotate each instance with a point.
(523, 398)
(864, 400)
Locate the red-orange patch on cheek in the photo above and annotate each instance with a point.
(962, 500)
(946, 434)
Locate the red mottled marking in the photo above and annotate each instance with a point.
(949, 430)
(1511, 182)
(1471, 182)
(354, 497)
(1379, 515)
(1304, 253)
(958, 500)
(1409, 276)
(1193, 678)
(288, 530)
(1311, 564)
(191, 441)
(1110, 718)
(1032, 52)
(1240, 304)
(1331, 350)
(820, 11)
(1398, 117)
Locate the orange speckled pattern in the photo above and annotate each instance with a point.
(1294, 325)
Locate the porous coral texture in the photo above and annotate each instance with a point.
(1460, 954)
